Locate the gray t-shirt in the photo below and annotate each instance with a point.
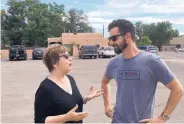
(136, 80)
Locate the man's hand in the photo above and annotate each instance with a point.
(157, 119)
(75, 116)
(109, 111)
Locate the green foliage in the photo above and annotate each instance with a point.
(31, 22)
(159, 33)
(144, 41)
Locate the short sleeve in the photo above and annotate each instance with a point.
(108, 71)
(41, 105)
(162, 72)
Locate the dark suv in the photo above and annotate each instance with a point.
(17, 52)
(37, 53)
(88, 51)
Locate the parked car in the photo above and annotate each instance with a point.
(151, 49)
(181, 49)
(88, 51)
(107, 51)
(50, 43)
(17, 52)
(37, 53)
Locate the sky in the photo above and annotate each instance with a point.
(102, 12)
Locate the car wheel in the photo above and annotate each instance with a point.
(98, 55)
(103, 55)
(95, 57)
(33, 57)
(25, 58)
(10, 59)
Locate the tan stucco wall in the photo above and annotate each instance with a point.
(80, 39)
(178, 40)
(54, 39)
(168, 48)
(84, 39)
(75, 51)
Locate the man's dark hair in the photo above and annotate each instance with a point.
(124, 26)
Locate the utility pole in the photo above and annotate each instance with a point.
(103, 31)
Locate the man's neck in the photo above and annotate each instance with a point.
(131, 51)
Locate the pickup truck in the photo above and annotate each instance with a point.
(88, 51)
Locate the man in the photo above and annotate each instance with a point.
(136, 73)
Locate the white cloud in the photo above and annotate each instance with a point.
(155, 8)
(152, 19)
(123, 8)
(144, 19)
(99, 20)
(163, 6)
(119, 4)
(97, 26)
(147, 11)
(181, 33)
(99, 13)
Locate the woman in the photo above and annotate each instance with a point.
(58, 99)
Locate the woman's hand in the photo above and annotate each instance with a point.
(75, 116)
(93, 94)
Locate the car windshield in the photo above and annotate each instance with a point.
(15, 46)
(90, 47)
(108, 48)
(152, 48)
(39, 48)
(143, 48)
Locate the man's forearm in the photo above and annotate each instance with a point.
(106, 95)
(173, 100)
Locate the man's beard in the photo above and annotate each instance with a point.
(120, 48)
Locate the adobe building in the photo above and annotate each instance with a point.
(68, 40)
(77, 40)
(176, 42)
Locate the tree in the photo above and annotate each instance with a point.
(144, 41)
(159, 33)
(30, 22)
(163, 33)
(4, 34)
(13, 22)
(77, 21)
(38, 26)
(175, 33)
(57, 19)
(139, 29)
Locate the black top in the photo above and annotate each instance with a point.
(51, 100)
